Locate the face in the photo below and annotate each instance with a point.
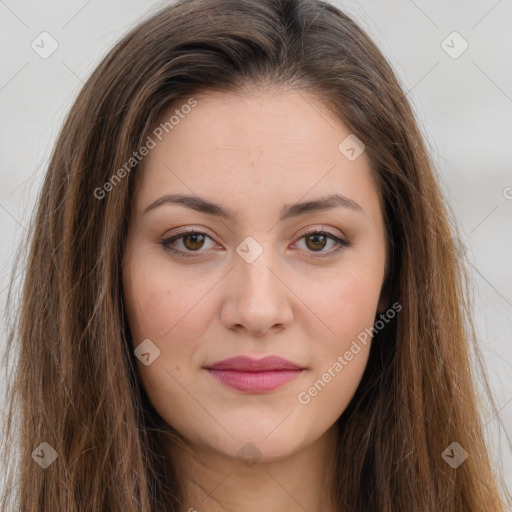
(268, 279)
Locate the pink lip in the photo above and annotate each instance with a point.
(254, 375)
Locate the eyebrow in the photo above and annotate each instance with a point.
(294, 210)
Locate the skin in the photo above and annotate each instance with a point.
(253, 154)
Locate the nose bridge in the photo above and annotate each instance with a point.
(255, 259)
(257, 299)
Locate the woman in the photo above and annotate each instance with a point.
(243, 290)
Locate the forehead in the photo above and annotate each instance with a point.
(265, 143)
(260, 120)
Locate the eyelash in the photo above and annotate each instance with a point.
(341, 244)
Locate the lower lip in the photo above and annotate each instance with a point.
(254, 382)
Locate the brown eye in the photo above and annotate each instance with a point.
(193, 241)
(316, 242)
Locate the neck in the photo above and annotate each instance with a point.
(215, 482)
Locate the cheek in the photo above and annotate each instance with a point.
(349, 309)
(347, 306)
(163, 304)
(163, 307)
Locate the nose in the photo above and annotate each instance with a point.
(257, 298)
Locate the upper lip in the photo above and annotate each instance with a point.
(250, 364)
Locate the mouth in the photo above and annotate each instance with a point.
(251, 375)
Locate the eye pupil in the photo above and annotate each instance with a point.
(316, 236)
(193, 236)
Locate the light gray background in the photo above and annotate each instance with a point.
(464, 106)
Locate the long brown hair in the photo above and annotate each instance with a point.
(74, 383)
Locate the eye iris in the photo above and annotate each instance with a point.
(316, 237)
(193, 236)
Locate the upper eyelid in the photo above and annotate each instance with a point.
(187, 231)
